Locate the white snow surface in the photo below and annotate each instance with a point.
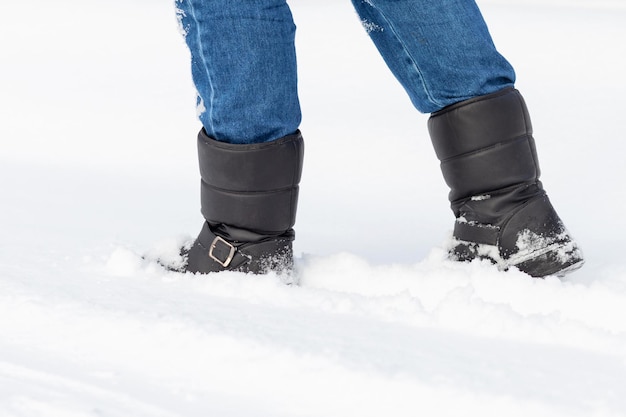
(98, 166)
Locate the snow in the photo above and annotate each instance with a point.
(98, 166)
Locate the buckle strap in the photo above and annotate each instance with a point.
(476, 232)
(222, 251)
(219, 251)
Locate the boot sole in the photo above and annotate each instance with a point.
(557, 260)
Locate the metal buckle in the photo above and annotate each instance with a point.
(231, 253)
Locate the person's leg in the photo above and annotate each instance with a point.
(444, 57)
(250, 150)
(243, 66)
(440, 51)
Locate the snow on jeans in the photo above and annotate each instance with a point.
(244, 59)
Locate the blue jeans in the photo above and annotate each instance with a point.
(244, 59)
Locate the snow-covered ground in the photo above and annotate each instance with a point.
(98, 165)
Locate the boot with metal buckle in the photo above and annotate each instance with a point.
(249, 196)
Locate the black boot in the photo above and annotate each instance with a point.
(489, 161)
(249, 197)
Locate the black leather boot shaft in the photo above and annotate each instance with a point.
(489, 161)
(253, 187)
(485, 144)
(488, 156)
